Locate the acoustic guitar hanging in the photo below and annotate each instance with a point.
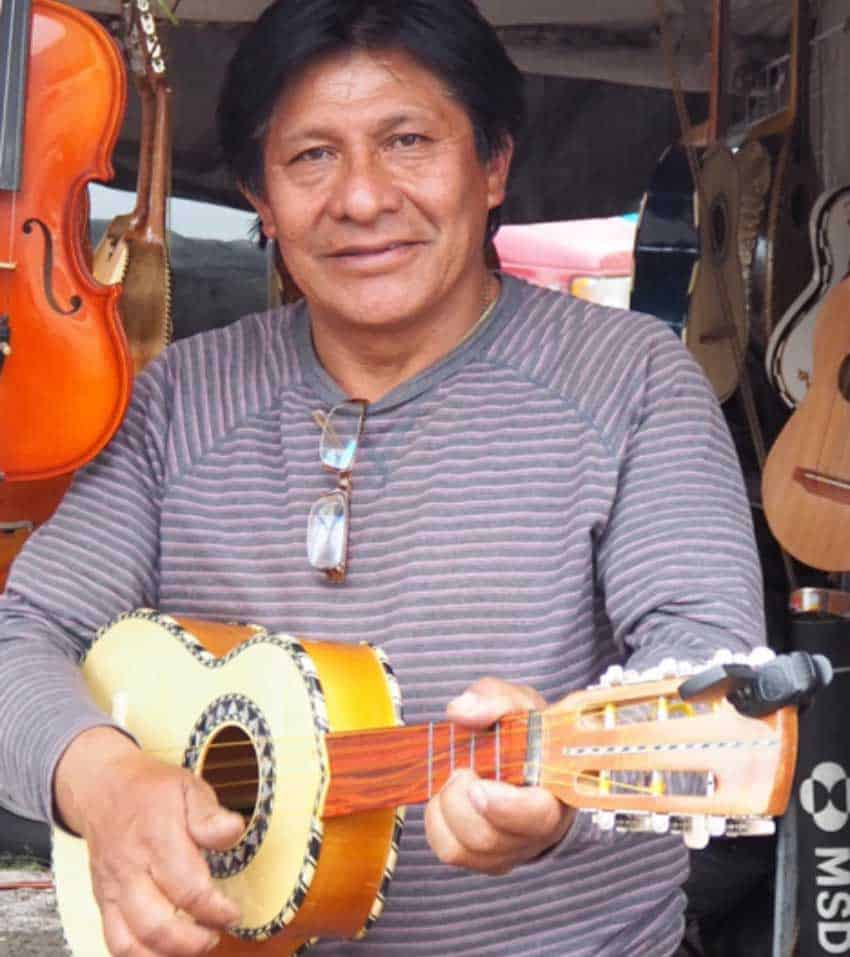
(758, 184)
(806, 481)
(134, 248)
(789, 356)
(728, 192)
(782, 257)
(304, 739)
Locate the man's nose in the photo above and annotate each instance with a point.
(365, 189)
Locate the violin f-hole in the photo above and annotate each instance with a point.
(47, 270)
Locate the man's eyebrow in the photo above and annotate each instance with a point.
(384, 124)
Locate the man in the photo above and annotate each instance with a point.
(540, 488)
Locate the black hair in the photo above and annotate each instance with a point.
(449, 37)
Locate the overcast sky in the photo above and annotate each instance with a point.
(186, 216)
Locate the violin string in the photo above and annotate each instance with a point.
(7, 257)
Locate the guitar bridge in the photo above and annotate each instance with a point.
(824, 486)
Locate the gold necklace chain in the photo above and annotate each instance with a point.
(489, 298)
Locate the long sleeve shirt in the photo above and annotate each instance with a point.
(557, 494)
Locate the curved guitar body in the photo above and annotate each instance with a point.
(235, 695)
(65, 379)
(790, 350)
(716, 332)
(782, 261)
(304, 739)
(806, 481)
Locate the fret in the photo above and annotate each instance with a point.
(408, 765)
(14, 54)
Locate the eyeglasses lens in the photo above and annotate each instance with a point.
(327, 523)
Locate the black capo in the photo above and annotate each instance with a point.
(791, 679)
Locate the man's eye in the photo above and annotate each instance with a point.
(408, 140)
(313, 155)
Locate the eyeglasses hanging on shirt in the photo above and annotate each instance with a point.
(329, 518)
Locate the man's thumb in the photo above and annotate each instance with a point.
(210, 825)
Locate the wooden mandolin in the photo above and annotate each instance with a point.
(304, 739)
(133, 250)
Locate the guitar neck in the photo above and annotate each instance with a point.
(160, 164)
(388, 767)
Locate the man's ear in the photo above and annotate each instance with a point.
(498, 169)
(263, 210)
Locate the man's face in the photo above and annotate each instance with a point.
(374, 190)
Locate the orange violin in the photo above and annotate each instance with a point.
(65, 373)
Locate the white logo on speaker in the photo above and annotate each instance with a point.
(827, 781)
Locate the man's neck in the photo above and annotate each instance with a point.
(368, 362)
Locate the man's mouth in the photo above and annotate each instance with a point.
(373, 250)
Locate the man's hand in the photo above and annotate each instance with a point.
(490, 826)
(145, 823)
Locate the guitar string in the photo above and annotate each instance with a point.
(685, 711)
(745, 386)
(610, 787)
(554, 779)
(637, 707)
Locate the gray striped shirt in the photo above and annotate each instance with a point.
(558, 493)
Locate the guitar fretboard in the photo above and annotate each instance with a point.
(407, 765)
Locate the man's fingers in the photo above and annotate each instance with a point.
(460, 835)
(491, 826)
(489, 699)
(529, 813)
(185, 880)
(210, 825)
(120, 940)
(160, 926)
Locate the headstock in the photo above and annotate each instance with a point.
(632, 750)
(145, 56)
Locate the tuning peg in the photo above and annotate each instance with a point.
(753, 826)
(695, 831)
(668, 668)
(605, 820)
(723, 656)
(660, 823)
(633, 821)
(716, 825)
(761, 655)
(613, 675)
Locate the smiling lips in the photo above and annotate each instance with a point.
(372, 252)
